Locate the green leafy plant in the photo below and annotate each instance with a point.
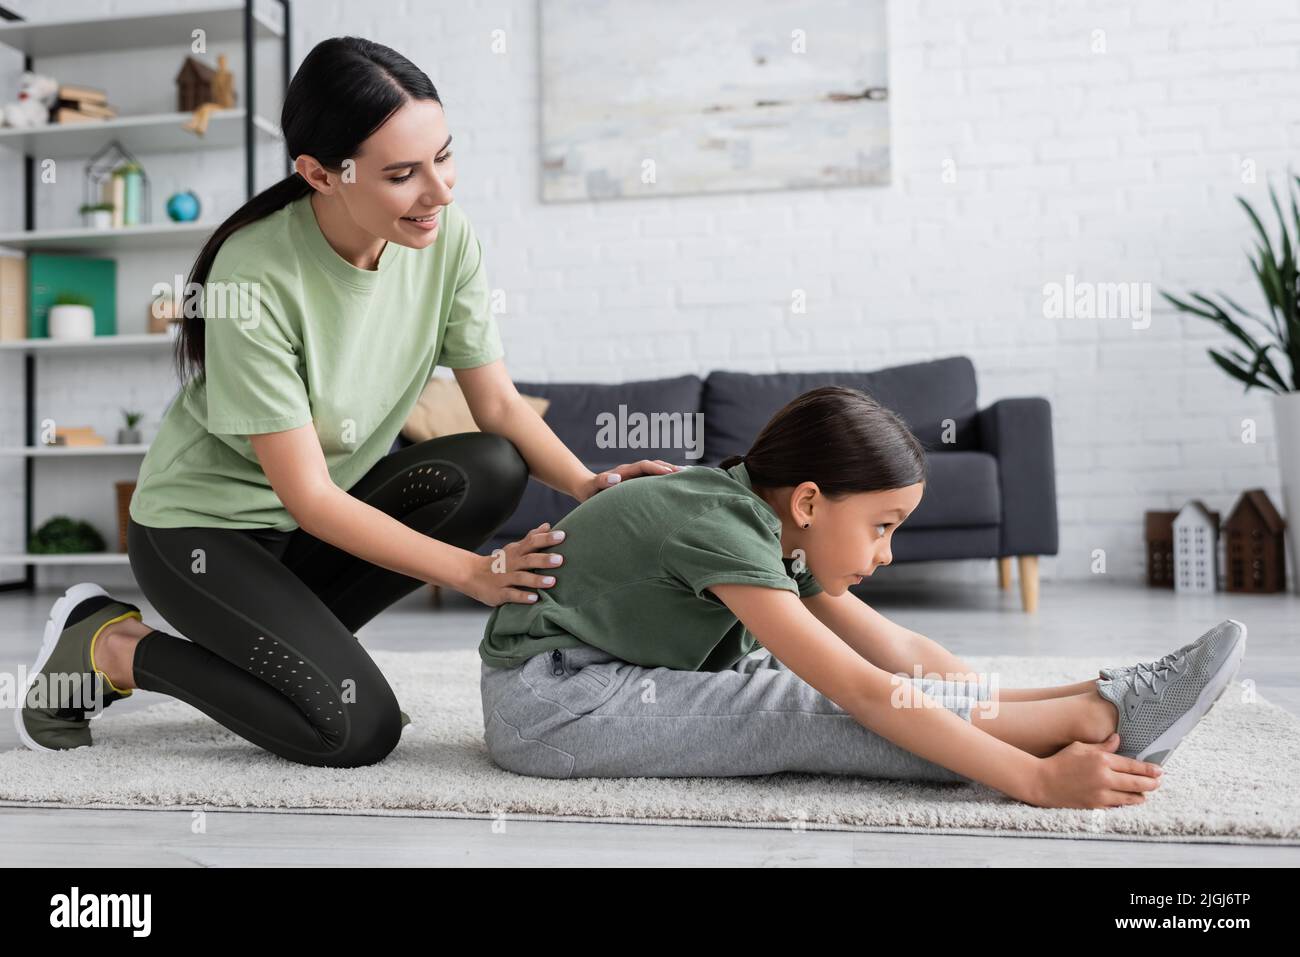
(94, 207)
(131, 418)
(1277, 273)
(62, 535)
(73, 299)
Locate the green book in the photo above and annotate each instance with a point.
(49, 276)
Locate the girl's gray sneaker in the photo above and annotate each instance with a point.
(1109, 673)
(1159, 706)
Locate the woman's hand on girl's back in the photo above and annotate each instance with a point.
(506, 575)
(603, 480)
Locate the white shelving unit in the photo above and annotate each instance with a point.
(242, 21)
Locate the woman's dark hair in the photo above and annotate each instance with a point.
(344, 90)
(840, 438)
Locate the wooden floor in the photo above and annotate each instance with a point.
(1073, 618)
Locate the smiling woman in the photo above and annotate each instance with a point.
(270, 520)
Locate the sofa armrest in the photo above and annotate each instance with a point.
(1018, 433)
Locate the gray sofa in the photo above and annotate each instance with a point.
(992, 487)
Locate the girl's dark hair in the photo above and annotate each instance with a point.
(840, 438)
(344, 90)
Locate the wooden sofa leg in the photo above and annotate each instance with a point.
(1029, 582)
(1004, 573)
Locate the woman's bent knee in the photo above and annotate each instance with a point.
(372, 736)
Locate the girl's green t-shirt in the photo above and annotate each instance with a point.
(638, 560)
(294, 333)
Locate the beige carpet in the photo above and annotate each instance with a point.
(1233, 779)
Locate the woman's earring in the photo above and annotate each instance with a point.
(806, 524)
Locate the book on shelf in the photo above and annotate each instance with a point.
(65, 117)
(77, 436)
(82, 94)
(95, 111)
(50, 274)
(13, 298)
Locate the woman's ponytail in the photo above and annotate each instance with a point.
(190, 353)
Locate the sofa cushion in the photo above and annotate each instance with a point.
(962, 491)
(738, 404)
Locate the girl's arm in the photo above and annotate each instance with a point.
(497, 407)
(875, 697)
(882, 642)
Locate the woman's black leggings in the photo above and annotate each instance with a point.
(271, 615)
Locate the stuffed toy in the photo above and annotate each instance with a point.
(35, 100)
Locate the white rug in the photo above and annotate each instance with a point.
(1231, 780)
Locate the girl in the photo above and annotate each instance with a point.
(637, 663)
(268, 523)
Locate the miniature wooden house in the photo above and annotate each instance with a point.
(1255, 551)
(1196, 549)
(193, 85)
(1160, 549)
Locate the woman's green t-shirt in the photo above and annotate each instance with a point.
(294, 333)
(638, 559)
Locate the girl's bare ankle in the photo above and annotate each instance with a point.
(1099, 718)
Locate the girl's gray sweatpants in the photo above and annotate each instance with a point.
(582, 712)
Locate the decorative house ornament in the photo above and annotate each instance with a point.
(200, 89)
(1160, 549)
(1196, 549)
(115, 178)
(193, 84)
(1255, 549)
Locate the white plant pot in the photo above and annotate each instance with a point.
(1286, 419)
(98, 219)
(72, 322)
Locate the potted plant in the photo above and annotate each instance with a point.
(1268, 358)
(72, 317)
(62, 535)
(129, 435)
(97, 215)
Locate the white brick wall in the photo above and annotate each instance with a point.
(1113, 167)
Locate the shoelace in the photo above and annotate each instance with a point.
(1158, 670)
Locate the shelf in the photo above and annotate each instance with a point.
(76, 558)
(222, 22)
(58, 451)
(165, 37)
(145, 133)
(142, 236)
(142, 341)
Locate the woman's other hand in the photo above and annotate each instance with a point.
(604, 480)
(509, 572)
